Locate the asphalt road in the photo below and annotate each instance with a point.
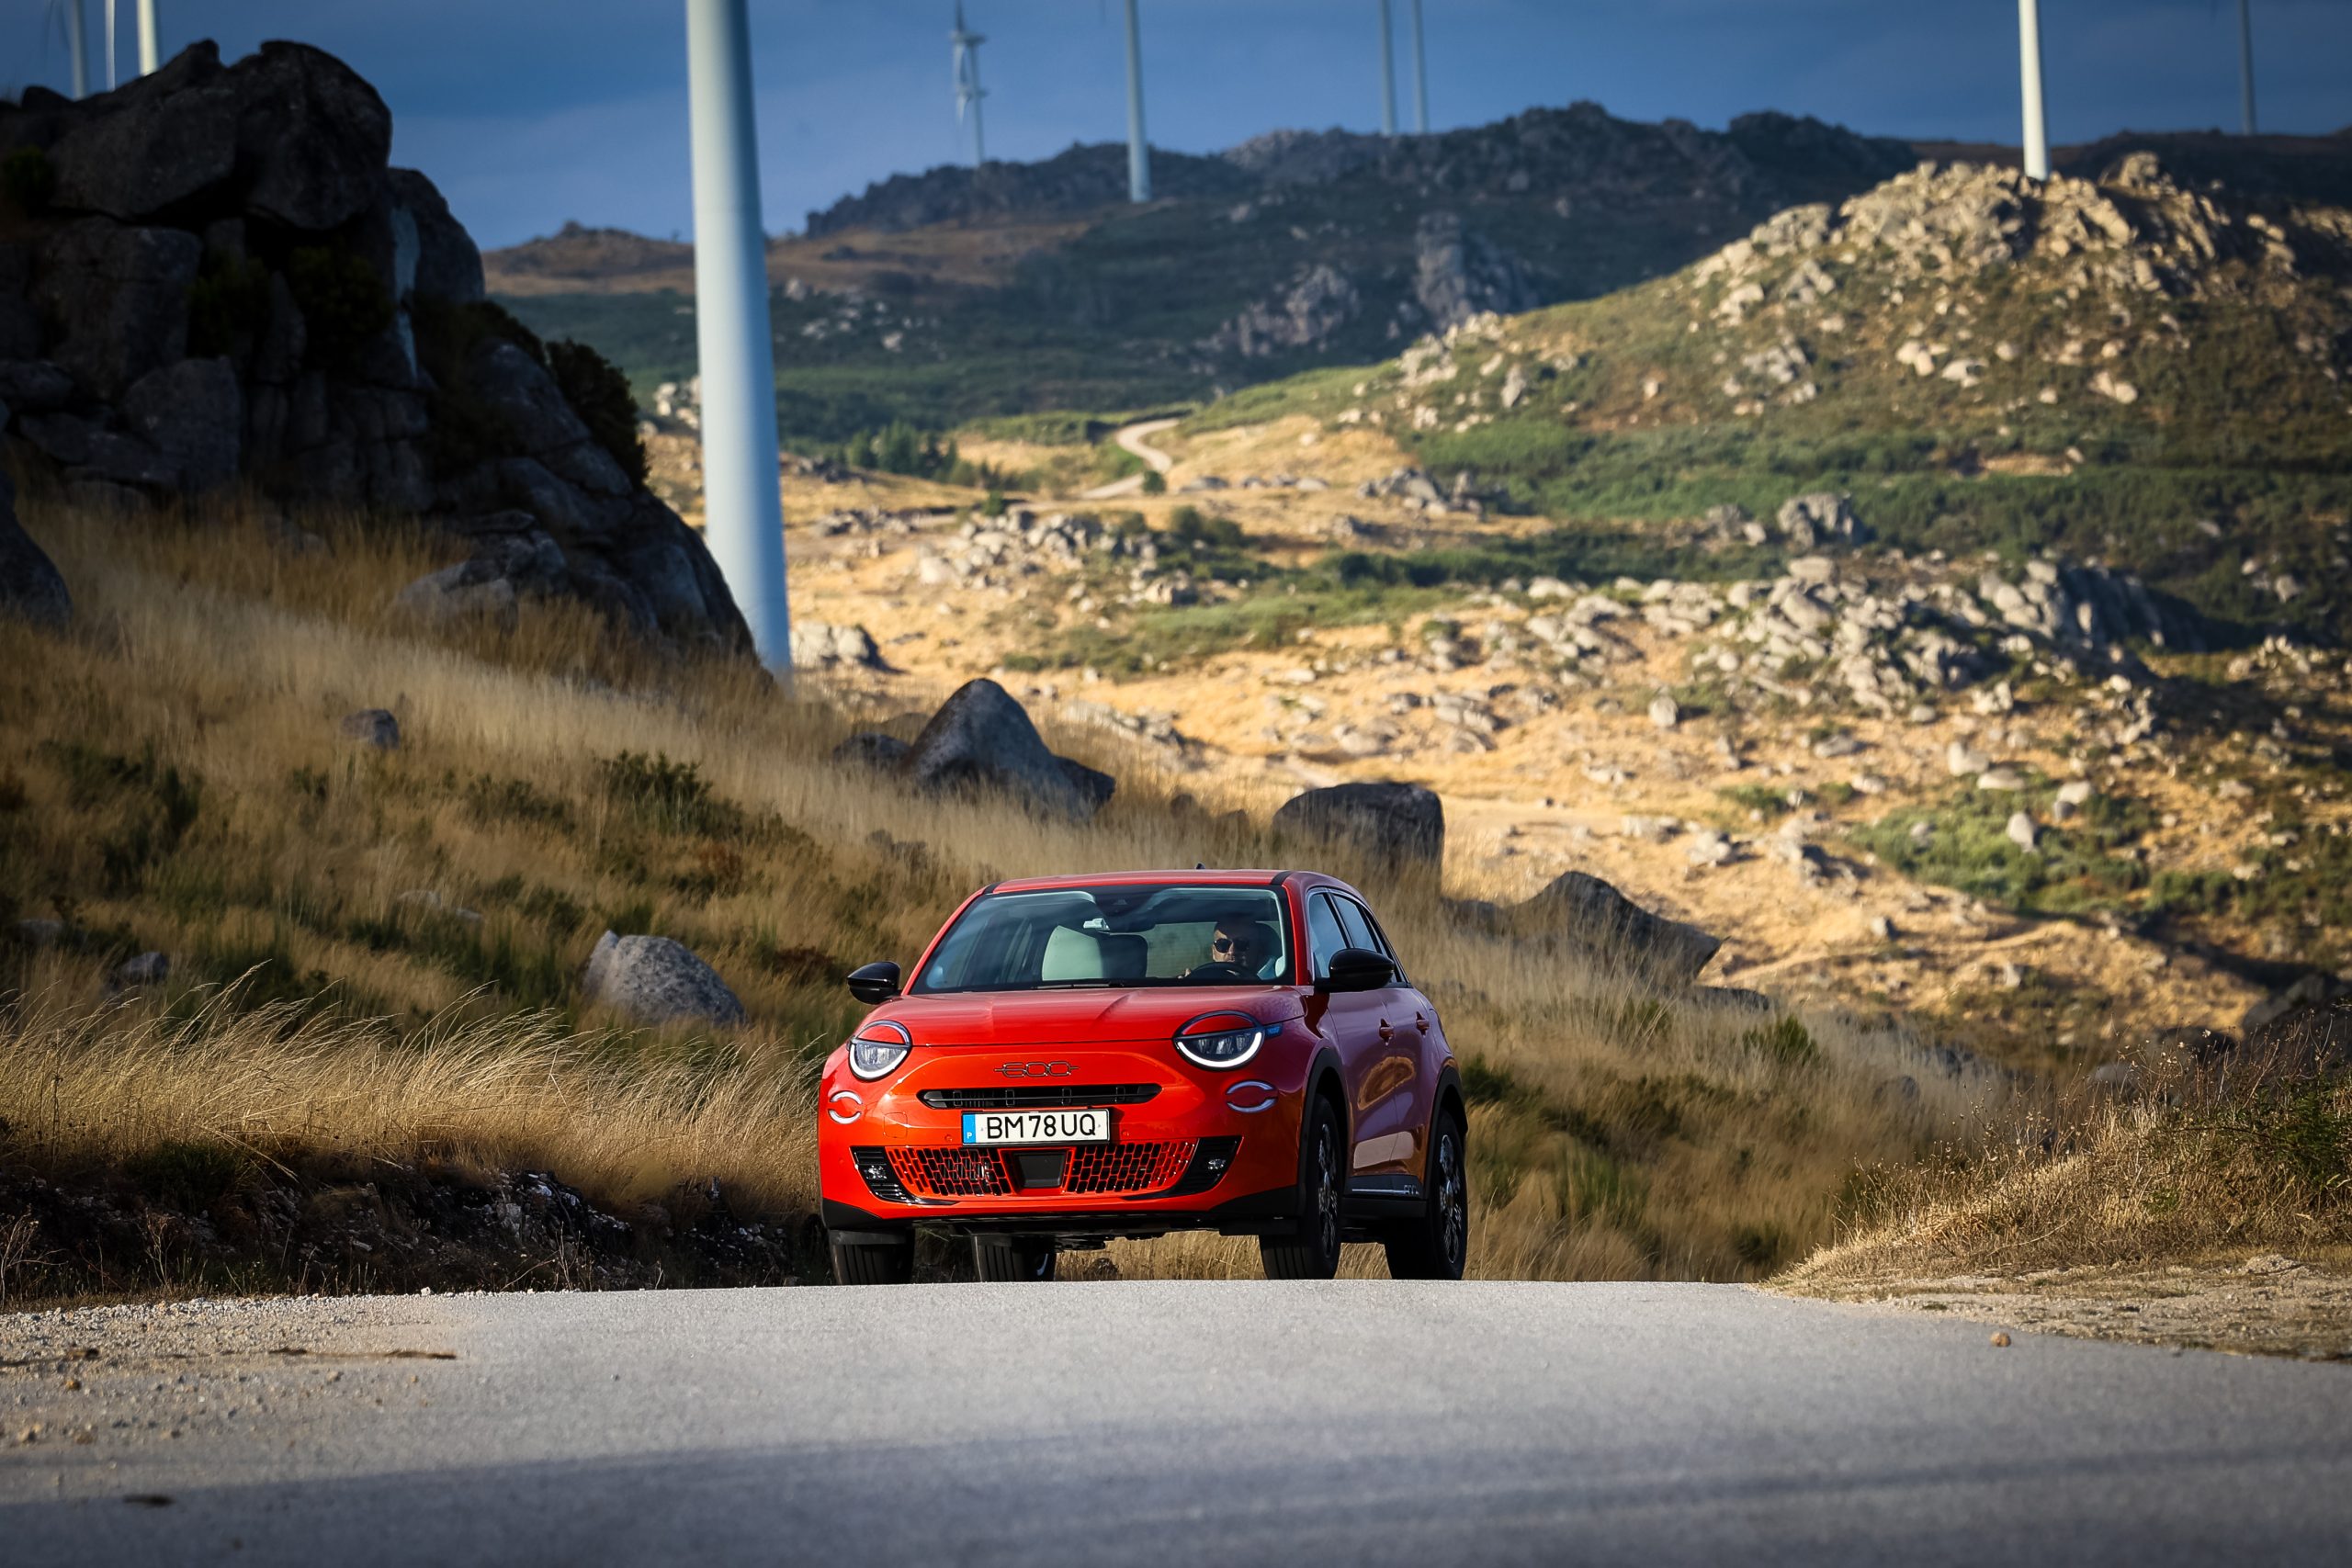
(1359, 1423)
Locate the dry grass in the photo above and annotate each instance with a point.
(2181, 1176)
(171, 778)
(100, 1085)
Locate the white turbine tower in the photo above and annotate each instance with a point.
(743, 509)
(1420, 77)
(77, 44)
(1387, 73)
(965, 63)
(150, 56)
(2246, 64)
(2037, 135)
(1138, 150)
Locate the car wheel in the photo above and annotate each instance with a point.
(872, 1262)
(1014, 1257)
(1313, 1252)
(1437, 1246)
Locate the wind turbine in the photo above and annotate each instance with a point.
(2246, 63)
(965, 63)
(77, 43)
(742, 510)
(1138, 150)
(1420, 77)
(2037, 137)
(149, 55)
(1387, 73)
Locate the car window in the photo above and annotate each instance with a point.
(1353, 921)
(1113, 935)
(1364, 931)
(1325, 936)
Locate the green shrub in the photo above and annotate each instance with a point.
(599, 394)
(27, 181)
(228, 305)
(344, 304)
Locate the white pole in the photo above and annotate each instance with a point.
(77, 44)
(1388, 75)
(110, 81)
(150, 56)
(743, 511)
(2246, 63)
(1420, 77)
(1138, 150)
(2037, 137)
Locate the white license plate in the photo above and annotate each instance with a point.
(1036, 1126)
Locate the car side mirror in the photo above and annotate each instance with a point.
(1357, 969)
(875, 982)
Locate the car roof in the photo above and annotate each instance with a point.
(1200, 877)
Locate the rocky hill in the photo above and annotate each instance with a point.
(1023, 287)
(2126, 369)
(212, 278)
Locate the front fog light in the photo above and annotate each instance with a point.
(878, 1048)
(1222, 1039)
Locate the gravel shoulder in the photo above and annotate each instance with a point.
(2264, 1305)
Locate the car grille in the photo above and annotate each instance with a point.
(1115, 1169)
(1126, 1167)
(1041, 1097)
(950, 1173)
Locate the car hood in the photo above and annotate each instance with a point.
(1035, 1018)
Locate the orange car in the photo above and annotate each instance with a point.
(1084, 1057)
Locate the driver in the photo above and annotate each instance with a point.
(1237, 943)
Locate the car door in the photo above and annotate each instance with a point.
(1349, 1019)
(1391, 1102)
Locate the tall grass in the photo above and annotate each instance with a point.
(174, 779)
(2185, 1171)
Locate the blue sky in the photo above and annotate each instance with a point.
(530, 112)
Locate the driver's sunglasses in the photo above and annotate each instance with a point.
(1227, 943)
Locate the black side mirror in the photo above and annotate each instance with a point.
(1357, 969)
(875, 982)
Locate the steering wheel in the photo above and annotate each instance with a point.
(1218, 971)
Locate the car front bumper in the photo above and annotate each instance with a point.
(1201, 1149)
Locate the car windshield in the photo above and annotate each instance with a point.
(1119, 935)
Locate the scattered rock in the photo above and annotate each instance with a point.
(2021, 831)
(147, 969)
(31, 588)
(1401, 822)
(872, 748)
(373, 727)
(816, 646)
(1591, 913)
(1664, 712)
(655, 980)
(981, 737)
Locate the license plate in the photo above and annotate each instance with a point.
(1036, 1126)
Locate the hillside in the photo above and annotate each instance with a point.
(958, 294)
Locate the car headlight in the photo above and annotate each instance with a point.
(878, 1048)
(1222, 1039)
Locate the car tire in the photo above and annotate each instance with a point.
(1437, 1246)
(872, 1262)
(1014, 1258)
(1313, 1252)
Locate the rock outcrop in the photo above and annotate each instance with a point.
(1587, 912)
(212, 275)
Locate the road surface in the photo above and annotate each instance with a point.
(1136, 438)
(1353, 1421)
